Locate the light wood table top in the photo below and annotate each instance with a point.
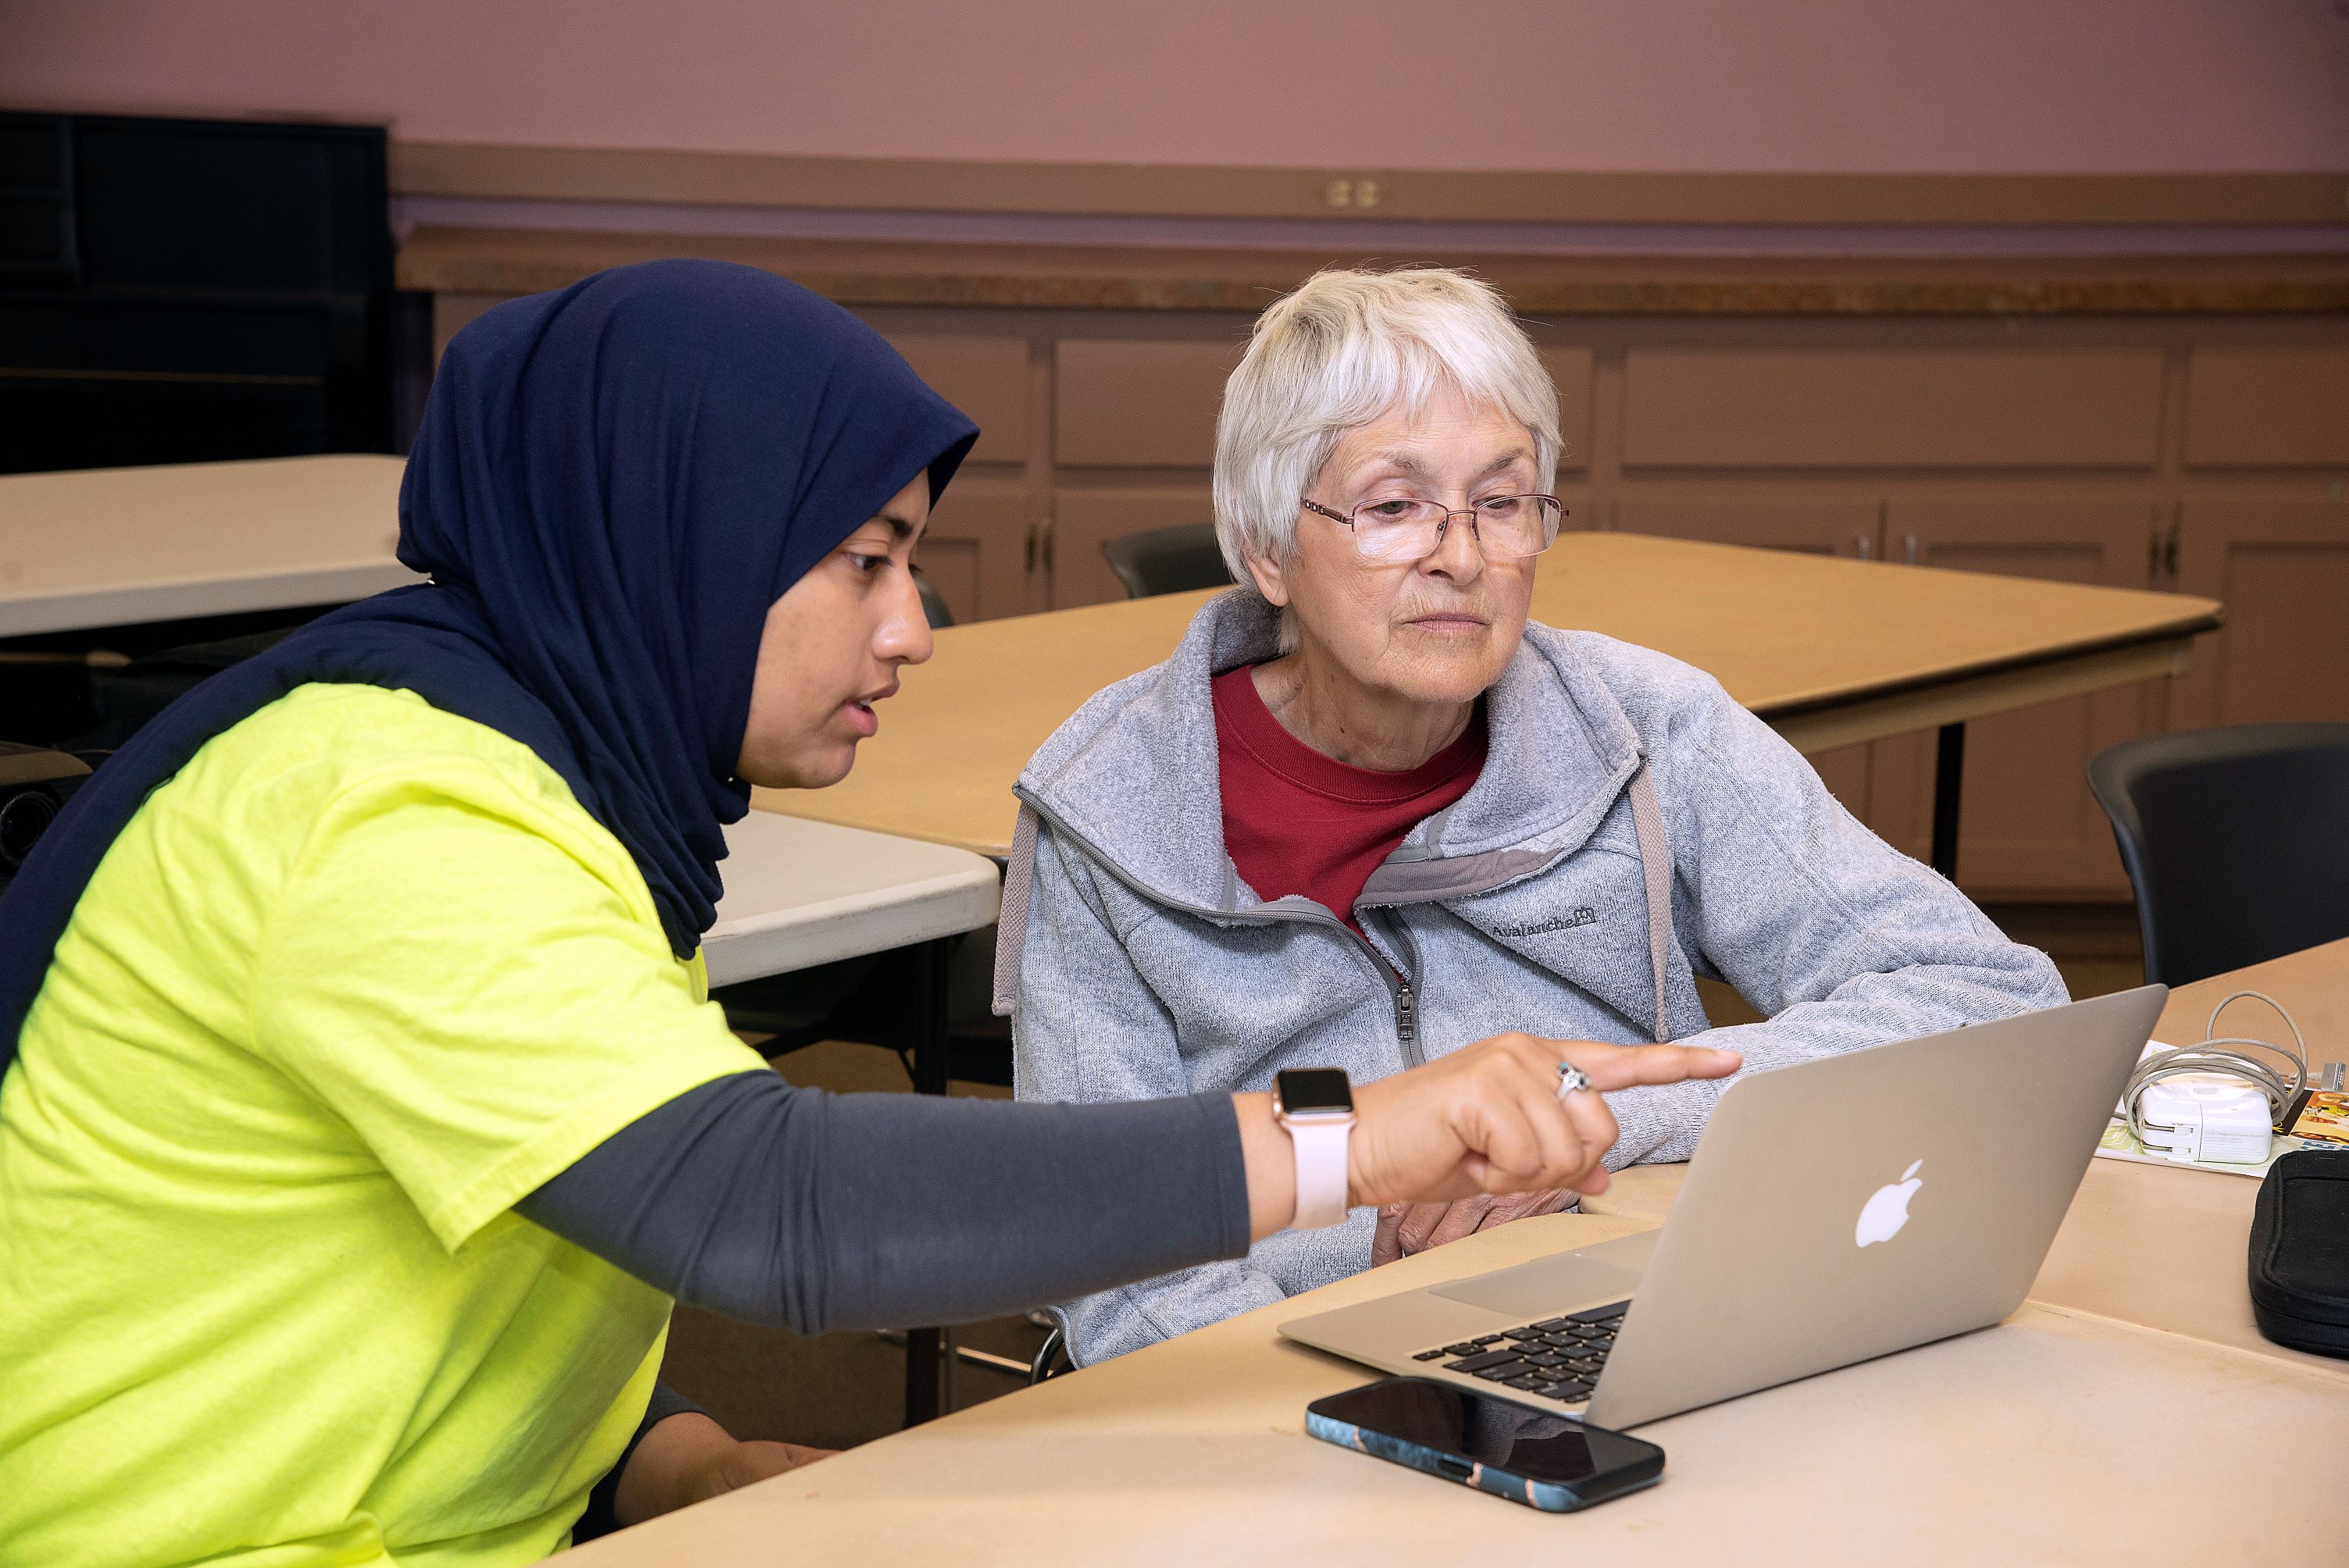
(1830, 652)
(2162, 1246)
(2023, 1443)
(801, 893)
(113, 547)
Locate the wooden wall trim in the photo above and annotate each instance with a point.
(456, 260)
(861, 184)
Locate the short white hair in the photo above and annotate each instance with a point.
(1344, 351)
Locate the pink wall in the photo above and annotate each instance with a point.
(1890, 86)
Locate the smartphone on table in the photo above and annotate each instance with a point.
(1543, 1461)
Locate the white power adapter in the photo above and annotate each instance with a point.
(2213, 1102)
(2205, 1119)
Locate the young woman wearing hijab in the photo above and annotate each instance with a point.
(368, 1112)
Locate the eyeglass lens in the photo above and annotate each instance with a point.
(1409, 530)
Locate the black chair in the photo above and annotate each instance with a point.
(34, 784)
(1167, 559)
(2236, 841)
(1051, 1357)
(126, 697)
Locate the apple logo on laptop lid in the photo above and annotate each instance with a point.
(1887, 1208)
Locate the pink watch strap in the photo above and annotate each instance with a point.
(1320, 1170)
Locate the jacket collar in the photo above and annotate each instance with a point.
(1134, 774)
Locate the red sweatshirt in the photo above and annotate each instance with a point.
(1296, 821)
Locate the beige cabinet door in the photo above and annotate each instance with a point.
(976, 549)
(1121, 408)
(2028, 826)
(2281, 568)
(1083, 519)
(1570, 372)
(1825, 525)
(989, 378)
(1846, 524)
(1790, 405)
(2267, 406)
(1139, 403)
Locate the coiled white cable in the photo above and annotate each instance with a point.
(2216, 1054)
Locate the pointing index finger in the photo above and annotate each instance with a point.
(1624, 1067)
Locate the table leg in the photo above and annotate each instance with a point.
(1948, 775)
(929, 1356)
(930, 1045)
(928, 1375)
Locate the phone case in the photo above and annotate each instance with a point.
(1548, 1496)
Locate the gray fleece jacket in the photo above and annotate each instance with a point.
(1143, 966)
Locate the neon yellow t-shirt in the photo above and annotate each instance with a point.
(357, 979)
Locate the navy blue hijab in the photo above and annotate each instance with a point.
(612, 485)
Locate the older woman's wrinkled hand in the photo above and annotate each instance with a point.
(1406, 1229)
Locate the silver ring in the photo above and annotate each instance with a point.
(1569, 1079)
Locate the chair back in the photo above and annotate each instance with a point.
(35, 785)
(2236, 841)
(1167, 559)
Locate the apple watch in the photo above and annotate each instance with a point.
(1316, 1106)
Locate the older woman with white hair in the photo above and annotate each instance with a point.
(1367, 815)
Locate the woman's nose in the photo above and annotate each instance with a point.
(1458, 554)
(904, 631)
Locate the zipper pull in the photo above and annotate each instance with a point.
(1406, 1012)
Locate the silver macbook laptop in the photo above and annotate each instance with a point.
(1835, 1211)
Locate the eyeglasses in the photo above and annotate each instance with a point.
(1403, 529)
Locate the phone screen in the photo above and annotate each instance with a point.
(1493, 1432)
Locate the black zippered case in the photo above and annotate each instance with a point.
(2300, 1252)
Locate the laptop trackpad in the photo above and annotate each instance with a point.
(1563, 1282)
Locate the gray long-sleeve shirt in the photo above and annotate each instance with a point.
(789, 1206)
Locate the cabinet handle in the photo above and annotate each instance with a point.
(1909, 547)
(2153, 553)
(1032, 550)
(2170, 553)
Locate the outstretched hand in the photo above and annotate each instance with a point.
(1488, 1118)
(1484, 1120)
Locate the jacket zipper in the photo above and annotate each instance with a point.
(1406, 999)
(1406, 1003)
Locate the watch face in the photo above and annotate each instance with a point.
(1314, 1091)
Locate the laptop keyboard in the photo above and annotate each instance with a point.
(1556, 1358)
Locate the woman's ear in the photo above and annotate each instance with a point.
(1270, 581)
